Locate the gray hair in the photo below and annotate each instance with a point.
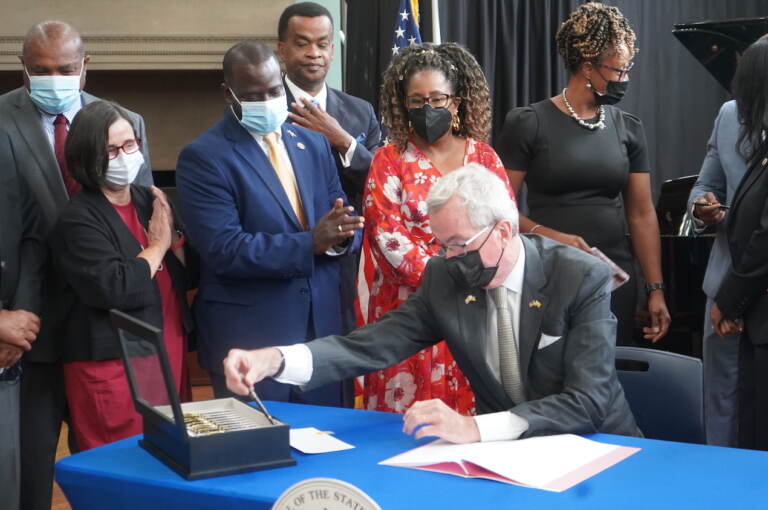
(482, 193)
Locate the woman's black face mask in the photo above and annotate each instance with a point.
(430, 123)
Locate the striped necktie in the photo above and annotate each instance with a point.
(508, 355)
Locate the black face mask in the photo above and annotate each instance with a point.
(430, 123)
(469, 272)
(614, 92)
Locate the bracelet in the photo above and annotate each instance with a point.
(281, 368)
(179, 242)
(650, 287)
(534, 228)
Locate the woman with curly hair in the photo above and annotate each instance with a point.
(436, 107)
(586, 165)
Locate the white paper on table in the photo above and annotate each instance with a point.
(311, 440)
(552, 463)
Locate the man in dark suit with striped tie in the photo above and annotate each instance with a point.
(527, 319)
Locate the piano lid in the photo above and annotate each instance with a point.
(719, 44)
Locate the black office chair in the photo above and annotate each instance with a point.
(665, 392)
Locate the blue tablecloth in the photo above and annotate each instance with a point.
(662, 475)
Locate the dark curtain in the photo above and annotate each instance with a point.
(670, 91)
(370, 26)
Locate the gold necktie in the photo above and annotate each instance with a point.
(287, 178)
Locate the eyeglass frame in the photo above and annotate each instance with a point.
(428, 100)
(621, 72)
(119, 148)
(463, 246)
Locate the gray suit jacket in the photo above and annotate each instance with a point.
(721, 172)
(37, 165)
(571, 384)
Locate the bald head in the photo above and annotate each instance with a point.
(53, 48)
(48, 34)
(248, 53)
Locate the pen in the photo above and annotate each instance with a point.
(261, 405)
(707, 204)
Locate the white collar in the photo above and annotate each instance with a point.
(260, 138)
(69, 114)
(514, 281)
(321, 97)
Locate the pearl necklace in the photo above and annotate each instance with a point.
(600, 124)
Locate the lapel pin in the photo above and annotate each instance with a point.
(293, 135)
(469, 299)
(300, 146)
(534, 304)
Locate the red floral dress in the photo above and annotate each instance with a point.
(398, 243)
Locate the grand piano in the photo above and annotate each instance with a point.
(717, 45)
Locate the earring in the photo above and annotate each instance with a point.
(455, 122)
(410, 127)
(589, 83)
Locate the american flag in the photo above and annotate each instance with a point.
(407, 26)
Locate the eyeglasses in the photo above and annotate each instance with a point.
(620, 72)
(435, 101)
(129, 147)
(460, 250)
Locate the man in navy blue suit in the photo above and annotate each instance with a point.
(263, 206)
(305, 47)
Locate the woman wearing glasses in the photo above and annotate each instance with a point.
(585, 162)
(120, 246)
(436, 107)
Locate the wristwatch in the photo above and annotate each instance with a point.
(649, 287)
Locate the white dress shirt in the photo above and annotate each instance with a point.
(503, 425)
(322, 101)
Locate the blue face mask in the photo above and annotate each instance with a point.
(262, 117)
(54, 94)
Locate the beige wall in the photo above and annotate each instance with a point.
(160, 58)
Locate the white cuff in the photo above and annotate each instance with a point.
(502, 426)
(298, 365)
(337, 250)
(698, 225)
(346, 159)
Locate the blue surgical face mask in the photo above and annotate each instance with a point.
(262, 117)
(54, 94)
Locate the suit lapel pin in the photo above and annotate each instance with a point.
(293, 135)
(534, 304)
(300, 146)
(469, 299)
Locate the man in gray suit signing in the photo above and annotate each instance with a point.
(37, 117)
(527, 319)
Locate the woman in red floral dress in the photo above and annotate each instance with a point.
(436, 107)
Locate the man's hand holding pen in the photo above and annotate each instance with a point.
(243, 369)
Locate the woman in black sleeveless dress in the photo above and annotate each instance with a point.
(585, 163)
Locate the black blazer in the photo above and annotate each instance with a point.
(357, 118)
(742, 294)
(96, 254)
(22, 252)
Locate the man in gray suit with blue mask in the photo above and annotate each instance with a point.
(527, 319)
(36, 117)
(720, 175)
